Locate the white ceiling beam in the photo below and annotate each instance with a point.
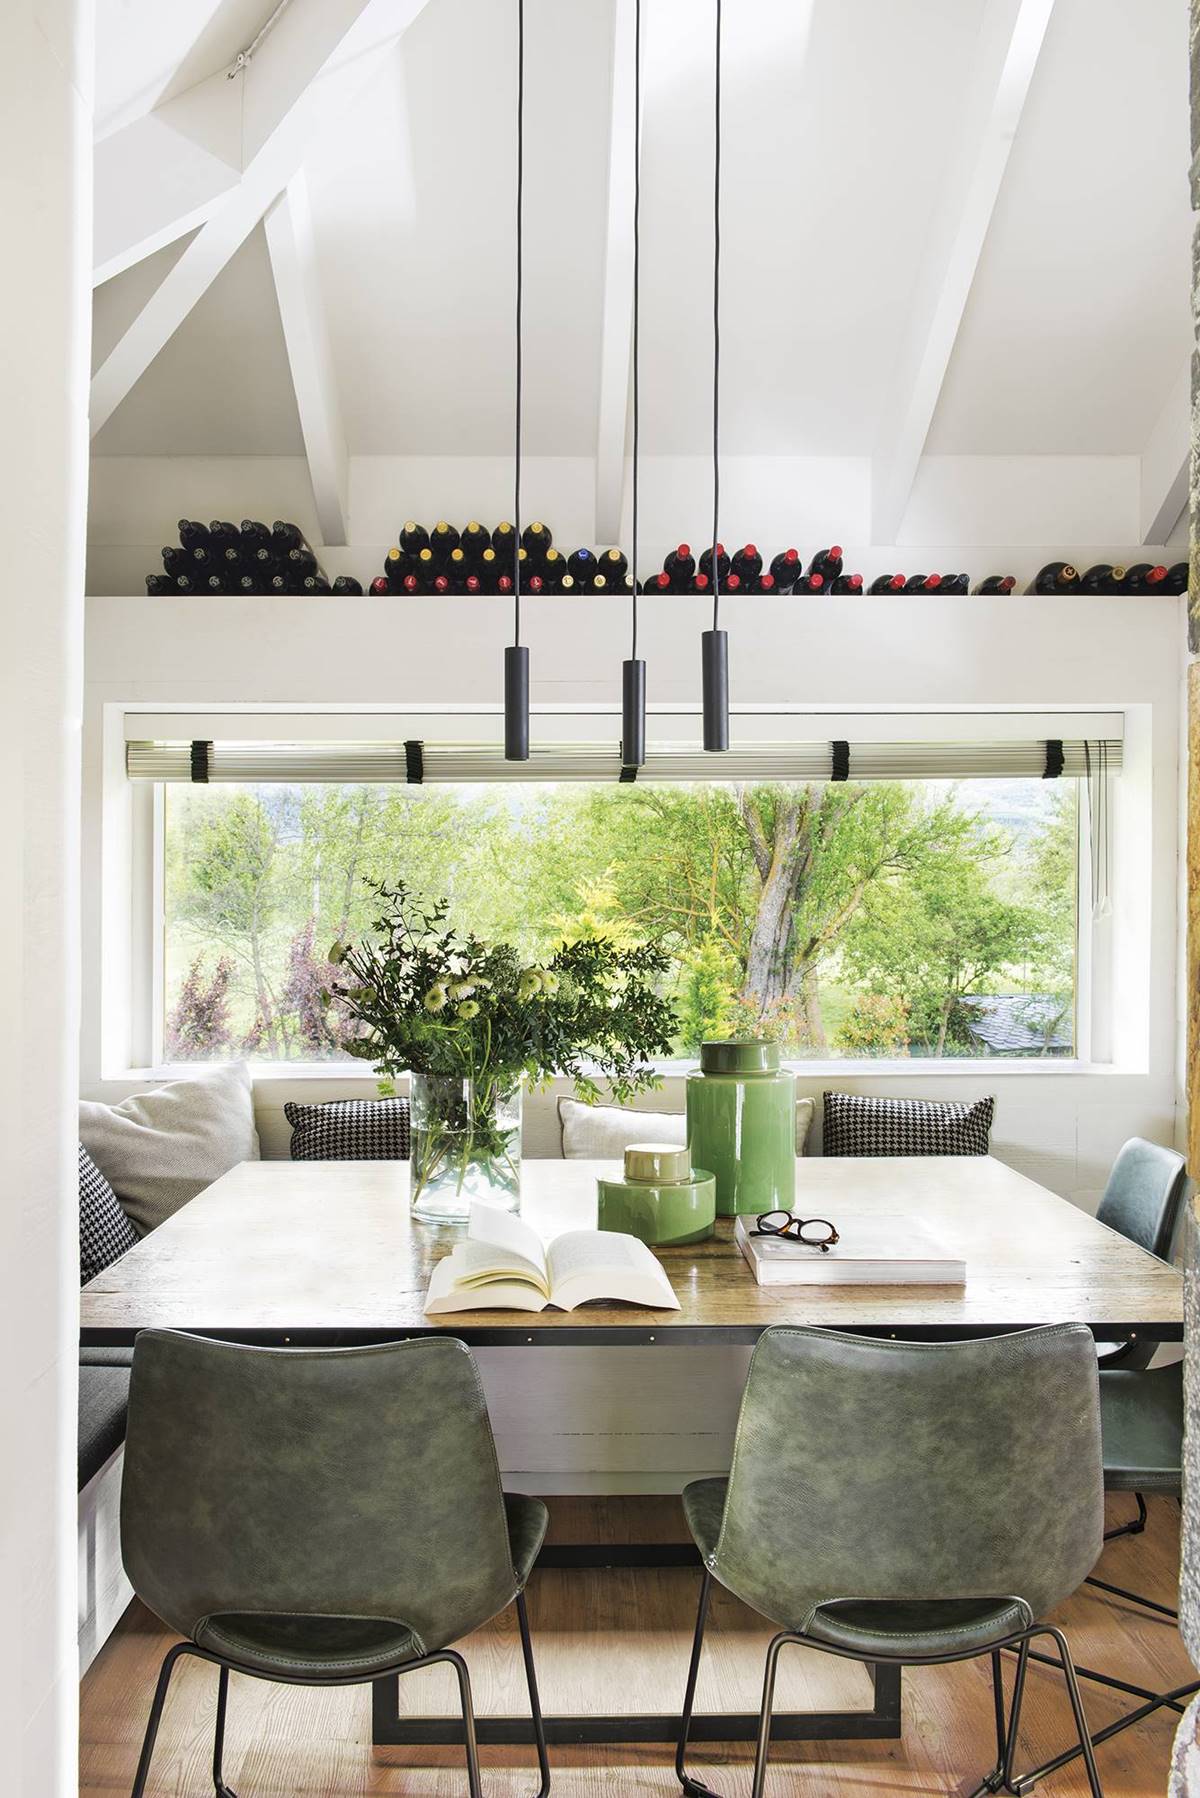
(1010, 41)
(301, 310)
(317, 107)
(616, 328)
(1166, 461)
(165, 173)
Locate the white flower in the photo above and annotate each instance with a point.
(528, 985)
(468, 1009)
(461, 989)
(435, 998)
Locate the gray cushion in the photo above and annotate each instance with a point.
(160, 1148)
(103, 1407)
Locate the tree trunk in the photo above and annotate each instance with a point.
(782, 864)
(814, 1024)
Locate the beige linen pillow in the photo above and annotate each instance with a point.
(604, 1132)
(159, 1149)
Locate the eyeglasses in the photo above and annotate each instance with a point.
(816, 1232)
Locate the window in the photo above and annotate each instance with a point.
(875, 918)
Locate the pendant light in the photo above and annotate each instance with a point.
(516, 655)
(714, 643)
(633, 671)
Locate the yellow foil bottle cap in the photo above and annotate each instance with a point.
(658, 1164)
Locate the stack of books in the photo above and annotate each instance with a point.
(884, 1249)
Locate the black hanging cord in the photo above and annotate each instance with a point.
(520, 295)
(716, 409)
(637, 279)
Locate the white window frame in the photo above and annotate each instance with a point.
(1096, 979)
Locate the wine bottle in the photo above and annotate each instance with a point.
(535, 538)
(1118, 580)
(395, 566)
(443, 539)
(887, 583)
(180, 561)
(315, 583)
(846, 583)
(1094, 579)
(922, 583)
(568, 584)
(502, 540)
(746, 564)
(186, 583)
(285, 536)
(301, 562)
(997, 583)
(553, 568)
(827, 563)
(413, 538)
(679, 567)
(221, 534)
(785, 567)
(657, 583)
(253, 533)
(457, 567)
(1145, 577)
(489, 569)
(956, 583)
(581, 565)
(475, 540)
(346, 583)
(193, 534)
(158, 584)
(425, 568)
(765, 583)
(810, 584)
(1054, 577)
(379, 586)
(1177, 578)
(615, 566)
(706, 561)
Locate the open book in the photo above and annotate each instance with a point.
(503, 1266)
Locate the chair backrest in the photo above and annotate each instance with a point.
(355, 1482)
(874, 1469)
(1144, 1192)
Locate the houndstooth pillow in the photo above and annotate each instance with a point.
(350, 1130)
(104, 1230)
(859, 1126)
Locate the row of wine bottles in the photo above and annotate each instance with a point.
(221, 558)
(476, 560)
(1110, 577)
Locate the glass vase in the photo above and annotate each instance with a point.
(466, 1146)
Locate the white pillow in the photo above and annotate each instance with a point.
(159, 1149)
(604, 1132)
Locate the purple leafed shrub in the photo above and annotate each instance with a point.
(198, 1027)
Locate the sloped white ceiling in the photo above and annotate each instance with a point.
(1076, 325)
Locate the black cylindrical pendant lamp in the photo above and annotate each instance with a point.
(714, 652)
(633, 713)
(516, 703)
(516, 655)
(714, 642)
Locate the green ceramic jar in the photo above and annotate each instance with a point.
(741, 1123)
(662, 1198)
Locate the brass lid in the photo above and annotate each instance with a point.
(746, 1055)
(657, 1163)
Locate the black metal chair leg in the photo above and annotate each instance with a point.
(1148, 1604)
(764, 1719)
(1014, 1715)
(1133, 1528)
(220, 1788)
(535, 1703)
(1027, 1783)
(693, 1788)
(474, 1785)
(155, 1718)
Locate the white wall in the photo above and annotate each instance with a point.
(1005, 514)
(1060, 1127)
(45, 200)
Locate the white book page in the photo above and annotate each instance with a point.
(505, 1232)
(479, 1263)
(446, 1295)
(603, 1264)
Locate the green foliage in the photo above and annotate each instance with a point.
(708, 978)
(428, 999)
(875, 1024)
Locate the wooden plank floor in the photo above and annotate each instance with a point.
(619, 1641)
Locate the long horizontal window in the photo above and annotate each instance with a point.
(929, 913)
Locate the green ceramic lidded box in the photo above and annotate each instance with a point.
(741, 1123)
(662, 1198)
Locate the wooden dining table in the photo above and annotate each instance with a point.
(328, 1253)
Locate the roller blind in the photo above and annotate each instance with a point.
(343, 750)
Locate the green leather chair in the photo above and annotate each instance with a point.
(908, 1503)
(320, 1516)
